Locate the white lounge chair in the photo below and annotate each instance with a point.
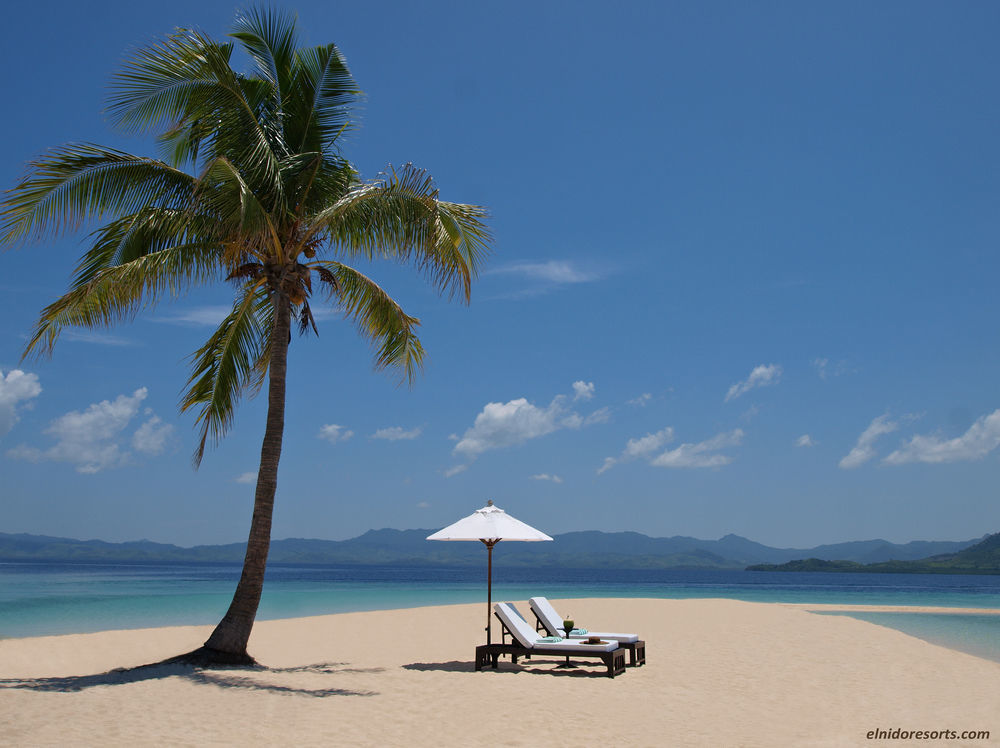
(551, 622)
(526, 642)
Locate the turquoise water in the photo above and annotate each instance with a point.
(44, 599)
(975, 634)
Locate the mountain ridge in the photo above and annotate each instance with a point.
(389, 546)
(982, 557)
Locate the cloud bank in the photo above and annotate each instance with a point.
(689, 455)
(982, 438)
(864, 450)
(643, 446)
(517, 421)
(94, 439)
(701, 455)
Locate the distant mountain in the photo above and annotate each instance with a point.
(981, 558)
(589, 549)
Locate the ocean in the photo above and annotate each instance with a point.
(38, 599)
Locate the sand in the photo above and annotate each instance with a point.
(719, 673)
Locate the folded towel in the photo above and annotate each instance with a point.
(549, 640)
(578, 632)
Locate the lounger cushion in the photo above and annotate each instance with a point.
(547, 615)
(529, 638)
(622, 638)
(519, 628)
(574, 645)
(551, 620)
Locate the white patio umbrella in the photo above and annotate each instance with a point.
(491, 524)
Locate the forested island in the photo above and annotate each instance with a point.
(981, 558)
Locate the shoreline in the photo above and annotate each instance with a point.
(863, 608)
(718, 671)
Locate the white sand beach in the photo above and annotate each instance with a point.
(719, 673)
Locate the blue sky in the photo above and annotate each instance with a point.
(744, 281)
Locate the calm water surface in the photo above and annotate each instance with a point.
(41, 599)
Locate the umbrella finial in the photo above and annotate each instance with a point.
(489, 502)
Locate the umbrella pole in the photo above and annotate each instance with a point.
(489, 589)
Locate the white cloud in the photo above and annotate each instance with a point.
(93, 440)
(761, 376)
(248, 477)
(151, 438)
(546, 476)
(395, 433)
(455, 470)
(981, 439)
(96, 338)
(643, 447)
(641, 401)
(16, 390)
(701, 455)
(864, 450)
(601, 415)
(826, 369)
(514, 422)
(334, 433)
(805, 441)
(517, 421)
(422, 505)
(583, 390)
(554, 271)
(201, 316)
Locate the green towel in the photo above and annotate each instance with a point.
(578, 632)
(549, 640)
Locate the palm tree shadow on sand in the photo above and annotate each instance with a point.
(253, 678)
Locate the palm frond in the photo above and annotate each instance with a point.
(186, 88)
(167, 82)
(400, 217)
(228, 364)
(76, 182)
(378, 318)
(144, 232)
(324, 96)
(101, 297)
(223, 191)
(269, 37)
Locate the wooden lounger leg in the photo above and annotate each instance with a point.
(615, 660)
(482, 658)
(486, 655)
(637, 653)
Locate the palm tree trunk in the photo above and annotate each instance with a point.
(230, 637)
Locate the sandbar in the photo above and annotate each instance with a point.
(718, 673)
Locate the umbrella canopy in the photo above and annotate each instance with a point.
(490, 525)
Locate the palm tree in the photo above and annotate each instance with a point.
(250, 188)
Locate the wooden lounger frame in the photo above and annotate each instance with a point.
(636, 649)
(489, 654)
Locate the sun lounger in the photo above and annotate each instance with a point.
(525, 642)
(550, 622)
